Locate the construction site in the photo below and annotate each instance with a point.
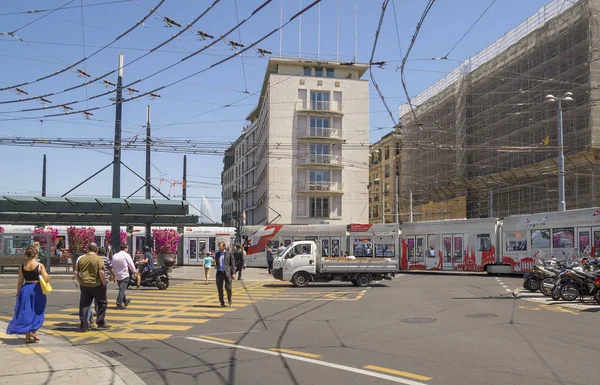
(483, 141)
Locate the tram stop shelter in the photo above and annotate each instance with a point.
(78, 211)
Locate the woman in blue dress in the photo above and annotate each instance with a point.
(31, 302)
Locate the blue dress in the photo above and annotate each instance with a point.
(29, 310)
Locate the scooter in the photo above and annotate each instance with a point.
(158, 277)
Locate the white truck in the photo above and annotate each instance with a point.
(301, 263)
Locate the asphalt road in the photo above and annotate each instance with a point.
(415, 329)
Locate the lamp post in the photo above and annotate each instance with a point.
(568, 97)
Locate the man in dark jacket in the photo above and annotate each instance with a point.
(240, 260)
(225, 272)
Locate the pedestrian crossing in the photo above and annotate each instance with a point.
(159, 314)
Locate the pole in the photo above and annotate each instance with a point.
(561, 162)
(319, 32)
(115, 236)
(356, 30)
(148, 237)
(300, 33)
(396, 208)
(44, 176)
(411, 207)
(382, 200)
(491, 203)
(184, 187)
(337, 31)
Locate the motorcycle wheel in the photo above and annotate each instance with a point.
(569, 292)
(547, 286)
(532, 285)
(597, 296)
(556, 293)
(163, 283)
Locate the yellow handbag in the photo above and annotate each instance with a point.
(46, 287)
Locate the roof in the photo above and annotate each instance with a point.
(275, 61)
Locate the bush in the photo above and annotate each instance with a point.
(42, 239)
(165, 241)
(79, 238)
(123, 234)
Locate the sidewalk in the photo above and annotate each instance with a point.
(445, 272)
(53, 361)
(178, 273)
(586, 306)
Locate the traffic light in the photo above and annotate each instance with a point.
(237, 234)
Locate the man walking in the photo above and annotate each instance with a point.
(123, 267)
(225, 272)
(240, 261)
(92, 282)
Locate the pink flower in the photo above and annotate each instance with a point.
(165, 241)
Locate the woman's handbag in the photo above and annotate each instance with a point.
(46, 287)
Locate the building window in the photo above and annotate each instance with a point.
(319, 100)
(307, 71)
(319, 153)
(319, 127)
(319, 180)
(387, 170)
(319, 207)
(387, 152)
(329, 73)
(319, 72)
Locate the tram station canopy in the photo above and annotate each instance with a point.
(93, 211)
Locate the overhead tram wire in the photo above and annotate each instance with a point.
(173, 37)
(140, 22)
(51, 10)
(412, 43)
(12, 33)
(469, 30)
(208, 46)
(383, 8)
(184, 78)
(237, 18)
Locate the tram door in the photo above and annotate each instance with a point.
(596, 241)
(453, 251)
(195, 251)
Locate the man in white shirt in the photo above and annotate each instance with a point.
(122, 266)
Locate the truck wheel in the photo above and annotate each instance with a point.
(363, 280)
(301, 279)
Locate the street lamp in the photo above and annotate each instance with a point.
(568, 97)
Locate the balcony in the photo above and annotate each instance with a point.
(331, 135)
(321, 188)
(326, 107)
(320, 161)
(225, 217)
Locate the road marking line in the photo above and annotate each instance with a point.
(218, 339)
(32, 350)
(295, 352)
(313, 361)
(398, 372)
(5, 317)
(510, 291)
(504, 286)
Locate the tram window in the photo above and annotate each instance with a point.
(540, 239)
(447, 248)
(410, 249)
(597, 244)
(517, 241)
(420, 249)
(211, 244)
(584, 240)
(432, 241)
(485, 242)
(563, 238)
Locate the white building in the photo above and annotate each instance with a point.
(303, 159)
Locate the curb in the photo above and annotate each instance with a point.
(447, 273)
(120, 370)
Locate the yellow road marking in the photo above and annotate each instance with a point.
(32, 350)
(554, 308)
(295, 352)
(5, 317)
(398, 372)
(134, 326)
(110, 334)
(218, 339)
(133, 318)
(192, 312)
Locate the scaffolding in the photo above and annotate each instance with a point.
(485, 133)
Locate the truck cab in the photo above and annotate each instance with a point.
(297, 257)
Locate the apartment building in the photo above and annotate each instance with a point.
(385, 203)
(303, 157)
(483, 141)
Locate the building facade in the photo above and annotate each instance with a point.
(385, 202)
(303, 158)
(483, 142)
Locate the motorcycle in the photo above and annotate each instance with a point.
(158, 277)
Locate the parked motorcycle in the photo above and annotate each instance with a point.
(158, 277)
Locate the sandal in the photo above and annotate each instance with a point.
(28, 338)
(34, 337)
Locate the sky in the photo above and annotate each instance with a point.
(209, 107)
